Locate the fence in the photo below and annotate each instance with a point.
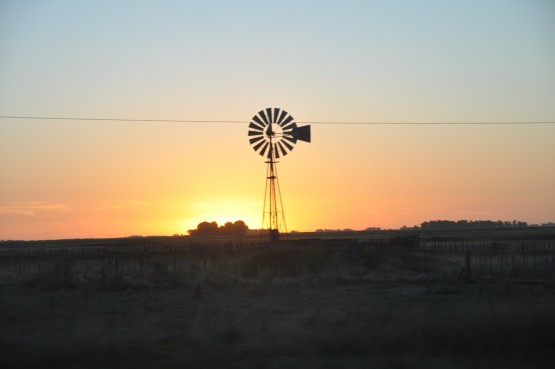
(105, 259)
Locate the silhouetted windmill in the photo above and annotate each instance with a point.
(273, 133)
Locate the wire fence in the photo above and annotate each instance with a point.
(186, 259)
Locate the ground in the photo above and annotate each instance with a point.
(277, 325)
(167, 303)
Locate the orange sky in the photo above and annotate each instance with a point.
(157, 179)
(377, 63)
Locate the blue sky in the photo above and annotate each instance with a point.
(476, 59)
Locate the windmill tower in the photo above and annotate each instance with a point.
(273, 134)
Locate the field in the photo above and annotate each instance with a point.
(460, 299)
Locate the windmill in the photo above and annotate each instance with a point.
(273, 134)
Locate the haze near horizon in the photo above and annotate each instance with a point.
(335, 61)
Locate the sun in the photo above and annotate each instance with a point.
(222, 211)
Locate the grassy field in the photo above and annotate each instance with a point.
(317, 307)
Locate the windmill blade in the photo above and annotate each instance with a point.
(276, 151)
(288, 133)
(286, 144)
(282, 115)
(263, 116)
(257, 120)
(257, 146)
(290, 139)
(302, 133)
(286, 121)
(276, 114)
(256, 139)
(269, 156)
(290, 126)
(283, 151)
(269, 114)
(256, 127)
(264, 148)
(255, 133)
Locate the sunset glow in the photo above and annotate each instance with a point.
(338, 62)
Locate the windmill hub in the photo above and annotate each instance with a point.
(273, 133)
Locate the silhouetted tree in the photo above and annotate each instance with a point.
(239, 228)
(206, 229)
(226, 229)
(470, 224)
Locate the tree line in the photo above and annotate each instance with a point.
(468, 224)
(237, 228)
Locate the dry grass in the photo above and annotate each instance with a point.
(251, 326)
(280, 308)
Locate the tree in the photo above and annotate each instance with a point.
(205, 229)
(239, 228)
(470, 224)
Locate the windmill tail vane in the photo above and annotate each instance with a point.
(273, 133)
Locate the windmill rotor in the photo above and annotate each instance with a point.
(274, 131)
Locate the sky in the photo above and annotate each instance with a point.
(322, 61)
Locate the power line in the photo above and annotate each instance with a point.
(121, 119)
(428, 123)
(244, 121)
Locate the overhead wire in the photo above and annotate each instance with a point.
(245, 121)
(120, 119)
